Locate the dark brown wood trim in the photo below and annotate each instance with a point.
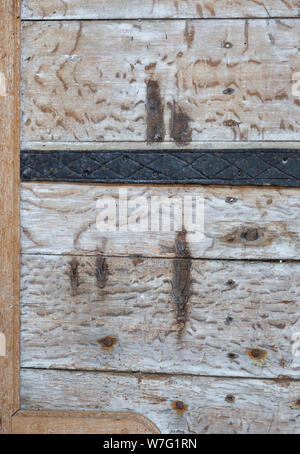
(72, 422)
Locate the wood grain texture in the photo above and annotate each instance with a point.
(61, 219)
(172, 316)
(228, 80)
(118, 9)
(94, 146)
(61, 422)
(211, 405)
(9, 209)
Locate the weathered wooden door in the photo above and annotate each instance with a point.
(127, 102)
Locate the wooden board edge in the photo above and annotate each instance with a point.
(9, 209)
(149, 10)
(63, 422)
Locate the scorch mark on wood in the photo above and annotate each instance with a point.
(257, 353)
(252, 236)
(169, 315)
(86, 91)
(179, 406)
(155, 113)
(189, 34)
(181, 283)
(180, 129)
(74, 275)
(108, 342)
(214, 405)
(102, 272)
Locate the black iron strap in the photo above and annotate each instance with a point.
(277, 167)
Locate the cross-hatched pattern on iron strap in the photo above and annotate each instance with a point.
(223, 167)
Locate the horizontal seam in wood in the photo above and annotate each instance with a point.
(159, 374)
(203, 259)
(178, 146)
(157, 19)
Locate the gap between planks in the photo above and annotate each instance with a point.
(199, 259)
(142, 145)
(139, 373)
(162, 19)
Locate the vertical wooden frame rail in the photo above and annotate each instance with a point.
(9, 209)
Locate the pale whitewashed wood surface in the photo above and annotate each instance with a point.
(76, 87)
(120, 9)
(88, 313)
(161, 336)
(211, 405)
(239, 223)
(203, 145)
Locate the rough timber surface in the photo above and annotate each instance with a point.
(120, 9)
(160, 315)
(261, 223)
(228, 80)
(174, 404)
(197, 346)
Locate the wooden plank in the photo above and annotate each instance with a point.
(118, 9)
(54, 422)
(61, 219)
(228, 80)
(175, 404)
(9, 210)
(94, 146)
(173, 316)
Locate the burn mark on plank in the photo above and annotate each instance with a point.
(155, 113)
(232, 356)
(231, 123)
(74, 276)
(230, 399)
(101, 272)
(248, 236)
(180, 129)
(228, 91)
(181, 283)
(179, 406)
(189, 34)
(108, 342)
(257, 353)
(228, 321)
